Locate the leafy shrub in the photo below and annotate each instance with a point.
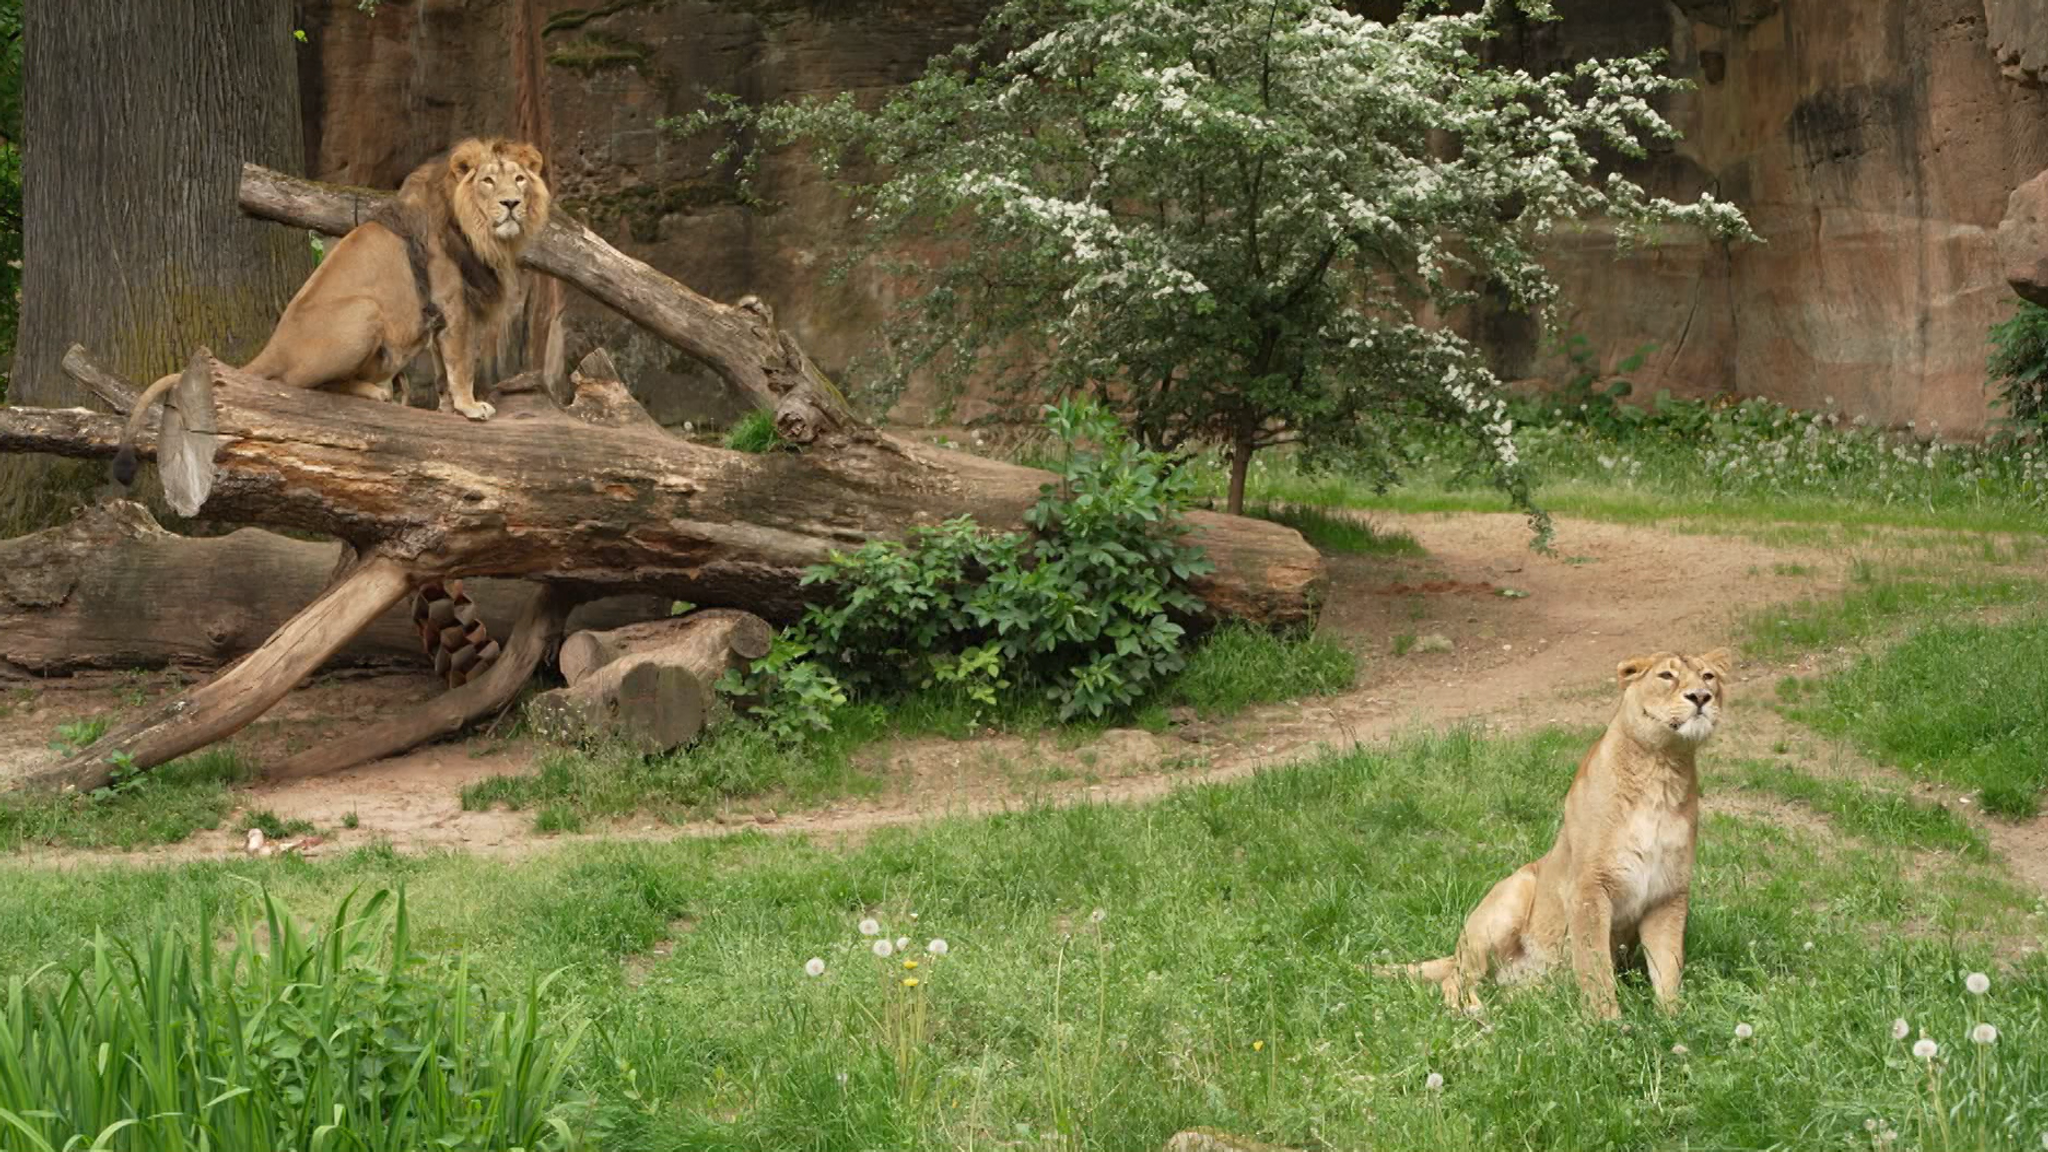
(1081, 611)
(345, 1040)
(2019, 367)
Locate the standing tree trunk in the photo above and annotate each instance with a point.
(139, 117)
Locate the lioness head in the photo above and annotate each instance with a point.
(1668, 698)
(497, 192)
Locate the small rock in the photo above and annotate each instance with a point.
(1434, 642)
(768, 817)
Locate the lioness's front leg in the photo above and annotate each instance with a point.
(1592, 921)
(1663, 936)
(459, 363)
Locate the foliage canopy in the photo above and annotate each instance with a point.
(1237, 222)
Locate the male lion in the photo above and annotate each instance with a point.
(434, 265)
(1620, 873)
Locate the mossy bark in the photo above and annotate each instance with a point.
(138, 118)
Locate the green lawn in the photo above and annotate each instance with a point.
(1223, 984)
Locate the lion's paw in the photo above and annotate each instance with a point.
(478, 411)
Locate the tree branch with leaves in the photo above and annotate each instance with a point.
(1236, 221)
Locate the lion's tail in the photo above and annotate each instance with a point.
(1428, 971)
(124, 458)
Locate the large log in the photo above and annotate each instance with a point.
(584, 652)
(652, 686)
(739, 341)
(222, 705)
(113, 589)
(539, 494)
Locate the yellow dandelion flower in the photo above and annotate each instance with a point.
(910, 981)
(1258, 1045)
(910, 963)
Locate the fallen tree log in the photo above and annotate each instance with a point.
(538, 494)
(586, 651)
(581, 499)
(112, 589)
(650, 686)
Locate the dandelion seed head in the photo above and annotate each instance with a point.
(1924, 1049)
(903, 943)
(884, 949)
(814, 967)
(1680, 1050)
(936, 947)
(870, 928)
(1435, 1083)
(1744, 1031)
(1984, 1034)
(1900, 1028)
(1978, 983)
(1097, 916)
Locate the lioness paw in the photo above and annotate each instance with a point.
(480, 410)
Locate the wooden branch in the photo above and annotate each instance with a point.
(739, 342)
(449, 713)
(535, 494)
(104, 384)
(228, 701)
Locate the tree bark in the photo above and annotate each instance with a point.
(583, 653)
(655, 692)
(538, 494)
(112, 589)
(138, 118)
(738, 341)
(222, 705)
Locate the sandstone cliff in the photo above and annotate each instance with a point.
(1873, 143)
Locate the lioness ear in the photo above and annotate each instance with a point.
(1720, 660)
(526, 156)
(1631, 669)
(466, 158)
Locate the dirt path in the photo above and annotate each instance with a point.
(1533, 640)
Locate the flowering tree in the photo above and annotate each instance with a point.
(1234, 219)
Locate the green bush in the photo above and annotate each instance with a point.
(2019, 367)
(341, 1040)
(1082, 611)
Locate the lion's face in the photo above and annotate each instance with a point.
(499, 190)
(1674, 699)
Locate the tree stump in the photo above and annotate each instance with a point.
(650, 685)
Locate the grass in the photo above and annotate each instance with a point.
(1225, 984)
(274, 826)
(341, 1039)
(1876, 605)
(754, 432)
(1677, 483)
(1233, 668)
(163, 807)
(1336, 533)
(1877, 815)
(1964, 703)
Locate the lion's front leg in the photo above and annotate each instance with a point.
(458, 362)
(1592, 920)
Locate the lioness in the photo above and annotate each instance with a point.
(434, 265)
(1620, 873)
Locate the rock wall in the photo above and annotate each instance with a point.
(1872, 142)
